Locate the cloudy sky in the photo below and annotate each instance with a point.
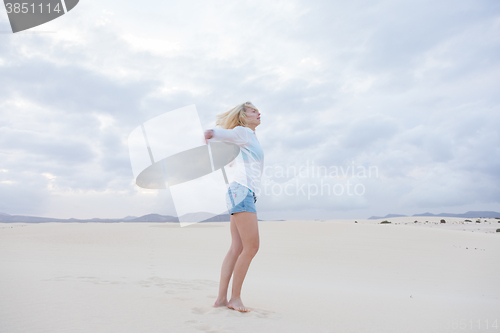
(403, 93)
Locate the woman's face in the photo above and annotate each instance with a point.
(253, 116)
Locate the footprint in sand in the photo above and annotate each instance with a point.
(91, 279)
(259, 313)
(206, 328)
(199, 310)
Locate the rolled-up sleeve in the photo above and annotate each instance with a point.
(238, 135)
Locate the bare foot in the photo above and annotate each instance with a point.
(237, 305)
(220, 302)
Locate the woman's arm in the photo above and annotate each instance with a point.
(238, 135)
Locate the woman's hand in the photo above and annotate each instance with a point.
(208, 135)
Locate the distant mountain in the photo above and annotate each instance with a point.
(219, 218)
(36, 219)
(386, 217)
(425, 214)
(23, 218)
(155, 218)
(201, 216)
(470, 214)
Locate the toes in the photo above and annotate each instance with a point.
(240, 309)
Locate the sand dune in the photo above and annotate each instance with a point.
(308, 276)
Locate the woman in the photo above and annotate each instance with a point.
(238, 126)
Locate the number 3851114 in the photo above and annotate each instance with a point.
(25, 8)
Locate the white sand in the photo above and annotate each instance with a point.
(308, 276)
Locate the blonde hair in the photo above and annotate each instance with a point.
(234, 117)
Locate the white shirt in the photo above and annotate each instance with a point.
(250, 167)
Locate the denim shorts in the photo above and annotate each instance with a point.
(240, 198)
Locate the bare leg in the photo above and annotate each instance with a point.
(228, 264)
(248, 230)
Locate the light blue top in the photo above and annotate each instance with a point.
(250, 165)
